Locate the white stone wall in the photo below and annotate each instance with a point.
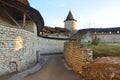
(70, 25)
(17, 49)
(109, 38)
(112, 38)
(47, 46)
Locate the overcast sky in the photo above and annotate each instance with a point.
(88, 13)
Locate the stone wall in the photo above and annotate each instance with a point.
(76, 57)
(17, 49)
(47, 46)
(70, 25)
(22, 47)
(109, 38)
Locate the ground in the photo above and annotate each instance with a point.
(104, 49)
(105, 68)
(53, 69)
(6, 77)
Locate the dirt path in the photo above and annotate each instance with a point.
(54, 69)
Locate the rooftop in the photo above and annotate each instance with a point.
(70, 16)
(14, 10)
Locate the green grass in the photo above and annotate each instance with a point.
(101, 50)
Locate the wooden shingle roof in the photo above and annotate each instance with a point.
(115, 29)
(16, 9)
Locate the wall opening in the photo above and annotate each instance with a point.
(13, 66)
(37, 56)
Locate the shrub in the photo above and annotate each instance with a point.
(95, 41)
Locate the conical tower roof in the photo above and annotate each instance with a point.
(70, 16)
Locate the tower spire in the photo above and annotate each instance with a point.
(70, 16)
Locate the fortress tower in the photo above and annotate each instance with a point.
(70, 23)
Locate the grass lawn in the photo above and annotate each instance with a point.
(101, 50)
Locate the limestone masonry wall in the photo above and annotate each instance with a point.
(20, 48)
(70, 25)
(77, 57)
(47, 46)
(17, 49)
(110, 38)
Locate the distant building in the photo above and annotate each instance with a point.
(68, 30)
(56, 32)
(105, 35)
